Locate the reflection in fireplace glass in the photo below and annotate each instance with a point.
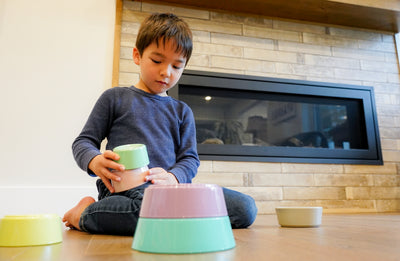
(227, 116)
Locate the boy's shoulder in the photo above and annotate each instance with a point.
(121, 91)
(117, 89)
(133, 93)
(114, 90)
(179, 102)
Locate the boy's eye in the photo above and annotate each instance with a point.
(177, 67)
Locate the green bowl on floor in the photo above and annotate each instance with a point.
(183, 235)
(30, 230)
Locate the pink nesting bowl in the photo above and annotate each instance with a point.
(183, 201)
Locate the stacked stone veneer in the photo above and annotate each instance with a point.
(261, 46)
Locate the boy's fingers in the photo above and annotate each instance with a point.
(159, 179)
(111, 155)
(108, 185)
(110, 175)
(116, 166)
(156, 176)
(160, 176)
(157, 171)
(108, 154)
(151, 178)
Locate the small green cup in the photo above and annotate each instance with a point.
(132, 156)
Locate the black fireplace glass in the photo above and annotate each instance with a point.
(266, 119)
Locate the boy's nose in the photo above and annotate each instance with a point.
(166, 71)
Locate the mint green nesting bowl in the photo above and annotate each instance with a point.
(183, 235)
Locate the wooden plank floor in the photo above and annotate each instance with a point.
(340, 237)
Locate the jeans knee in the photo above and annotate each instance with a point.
(247, 213)
(241, 208)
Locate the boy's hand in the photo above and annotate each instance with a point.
(161, 176)
(101, 164)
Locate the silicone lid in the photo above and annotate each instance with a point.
(132, 156)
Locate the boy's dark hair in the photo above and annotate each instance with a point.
(162, 27)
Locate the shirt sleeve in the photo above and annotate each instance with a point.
(187, 160)
(87, 145)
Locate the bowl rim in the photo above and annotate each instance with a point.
(185, 186)
(297, 207)
(30, 217)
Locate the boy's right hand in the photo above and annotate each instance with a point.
(101, 165)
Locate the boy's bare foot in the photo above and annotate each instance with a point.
(71, 218)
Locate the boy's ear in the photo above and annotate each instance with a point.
(136, 56)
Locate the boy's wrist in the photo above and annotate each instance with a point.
(172, 174)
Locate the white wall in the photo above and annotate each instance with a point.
(55, 60)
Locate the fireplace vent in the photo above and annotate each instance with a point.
(248, 118)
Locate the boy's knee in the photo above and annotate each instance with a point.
(247, 213)
(242, 209)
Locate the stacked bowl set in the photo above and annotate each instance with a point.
(175, 219)
(183, 218)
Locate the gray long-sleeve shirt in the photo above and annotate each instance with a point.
(127, 115)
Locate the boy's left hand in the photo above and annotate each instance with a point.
(160, 176)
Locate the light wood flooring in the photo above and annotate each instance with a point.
(340, 237)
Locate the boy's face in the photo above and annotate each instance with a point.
(160, 67)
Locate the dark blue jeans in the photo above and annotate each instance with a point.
(118, 213)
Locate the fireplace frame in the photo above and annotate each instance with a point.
(372, 155)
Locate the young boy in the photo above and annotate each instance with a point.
(145, 114)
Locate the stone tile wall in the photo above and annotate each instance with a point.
(255, 45)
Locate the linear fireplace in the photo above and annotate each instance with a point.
(247, 118)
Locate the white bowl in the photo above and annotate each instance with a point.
(299, 216)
